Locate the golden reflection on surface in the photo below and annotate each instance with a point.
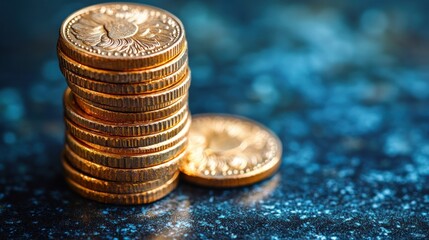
(260, 192)
(167, 218)
(175, 216)
(171, 217)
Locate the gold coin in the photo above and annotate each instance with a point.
(131, 103)
(226, 151)
(124, 117)
(124, 142)
(122, 174)
(122, 36)
(162, 146)
(110, 186)
(129, 199)
(75, 114)
(127, 89)
(124, 160)
(128, 77)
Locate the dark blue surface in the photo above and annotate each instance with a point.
(345, 86)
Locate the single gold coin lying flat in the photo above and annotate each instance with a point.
(124, 160)
(140, 102)
(110, 186)
(128, 199)
(122, 36)
(128, 89)
(150, 149)
(227, 151)
(124, 142)
(128, 77)
(75, 114)
(126, 117)
(121, 174)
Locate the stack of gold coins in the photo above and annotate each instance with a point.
(126, 108)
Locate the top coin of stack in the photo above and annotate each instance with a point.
(126, 108)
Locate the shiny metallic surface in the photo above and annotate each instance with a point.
(229, 151)
(122, 36)
(125, 110)
(342, 83)
(126, 198)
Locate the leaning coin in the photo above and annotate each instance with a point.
(140, 102)
(122, 36)
(111, 186)
(119, 89)
(127, 77)
(124, 142)
(75, 114)
(126, 117)
(124, 160)
(122, 174)
(130, 199)
(227, 151)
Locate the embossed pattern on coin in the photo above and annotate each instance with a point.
(226, 151)
(122, 36)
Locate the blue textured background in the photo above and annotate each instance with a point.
(345, 86)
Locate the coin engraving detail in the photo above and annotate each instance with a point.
(121, 30)
(222, 147)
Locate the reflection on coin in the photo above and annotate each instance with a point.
(167, 144)
(138, 103)
(135, 88)
(124, 142)
(124, 159)
(111, 186)
(122, 174)
(122, 36)
(125, 117)
(133, 198)
(74, 113)
(227, 151)
(128, 77)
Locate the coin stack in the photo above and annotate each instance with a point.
(126, 108)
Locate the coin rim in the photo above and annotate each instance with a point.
(125, 77)
(126, 117)
(128, 88)
(127, 141)
(124, 160)
(125, 199)
(145, 149)
(140, 102)
(110, 186)
(122, 174)
(80, 117)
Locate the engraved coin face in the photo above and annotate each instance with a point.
(226, 151)
(118, 31)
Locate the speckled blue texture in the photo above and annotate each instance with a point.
(345, 86)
